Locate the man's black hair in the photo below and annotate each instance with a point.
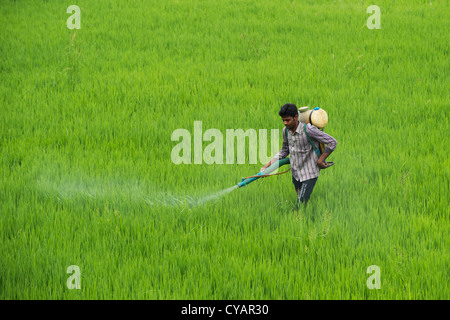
(288, 110)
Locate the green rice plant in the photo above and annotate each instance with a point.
(85, 137)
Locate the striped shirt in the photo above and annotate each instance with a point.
(302, 156)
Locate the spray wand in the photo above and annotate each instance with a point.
(266, 172)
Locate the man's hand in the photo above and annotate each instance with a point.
(322, 164)
(268, 164)
(321, 161)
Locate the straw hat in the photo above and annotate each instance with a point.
(317, 117)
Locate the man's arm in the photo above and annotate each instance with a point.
(324, 138)
(283, 153)
(321, 161)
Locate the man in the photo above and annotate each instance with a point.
(305, 163)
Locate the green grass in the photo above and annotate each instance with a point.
(85, 139)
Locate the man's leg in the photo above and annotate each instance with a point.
(304, 190)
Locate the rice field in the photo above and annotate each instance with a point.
(87, 117)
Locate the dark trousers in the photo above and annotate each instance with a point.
(304, 189)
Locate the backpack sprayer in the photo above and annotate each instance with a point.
(317, 117)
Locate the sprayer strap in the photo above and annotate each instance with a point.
(316, 150)
(310, 114)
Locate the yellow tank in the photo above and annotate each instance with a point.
(317, 116)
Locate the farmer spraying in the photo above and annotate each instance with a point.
(299, 137)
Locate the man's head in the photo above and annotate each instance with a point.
(289, 114)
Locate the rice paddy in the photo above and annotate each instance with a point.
(87, 117)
